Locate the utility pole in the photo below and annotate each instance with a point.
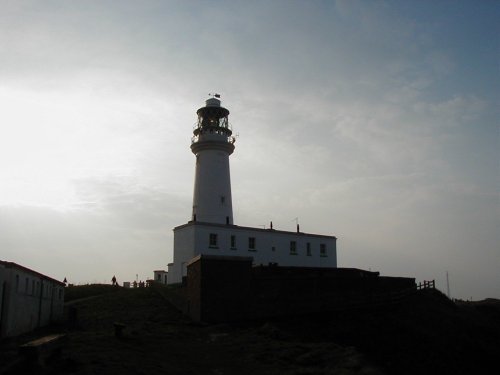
(448, 284)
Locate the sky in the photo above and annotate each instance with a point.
(374, 121)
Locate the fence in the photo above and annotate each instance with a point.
(426, 285)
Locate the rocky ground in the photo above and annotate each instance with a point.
(426, 334)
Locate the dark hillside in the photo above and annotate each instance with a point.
(72, 293)
(427, 334)
(158, 339)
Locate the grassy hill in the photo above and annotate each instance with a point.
(72, 293)
(427, 334)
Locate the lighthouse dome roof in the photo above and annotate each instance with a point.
(212, 102)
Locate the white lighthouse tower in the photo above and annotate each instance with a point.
(212, 143)
(211, 231)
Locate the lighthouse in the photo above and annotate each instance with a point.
(211, 231)
(212, 143)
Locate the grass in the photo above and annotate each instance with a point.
(72, 292)
(158, 339)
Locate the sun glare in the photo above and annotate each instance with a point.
(49, 140)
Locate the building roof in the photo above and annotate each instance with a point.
(26, 269)
(237, 227)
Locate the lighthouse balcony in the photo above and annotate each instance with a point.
(213, 136)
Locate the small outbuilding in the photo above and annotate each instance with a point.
(160, 276)
(28, 299)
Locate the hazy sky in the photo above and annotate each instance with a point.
(374, 121)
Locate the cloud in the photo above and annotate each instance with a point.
(121, 229)
(362, 119)
(132, 205)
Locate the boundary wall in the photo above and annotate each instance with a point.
(223, 289)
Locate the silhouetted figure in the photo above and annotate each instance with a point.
(65, 282)
(113, 280)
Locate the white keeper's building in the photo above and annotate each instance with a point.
(211, 229)
(28, 299)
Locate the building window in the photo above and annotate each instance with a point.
(293, 248)
(26, 286)
(17, 283)
(60, 293)
(159, 277)
(251, 243)
(273, 248)
(233, 242)
(33, 287)
(322, 250)
(212, 240)
(308, 249)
